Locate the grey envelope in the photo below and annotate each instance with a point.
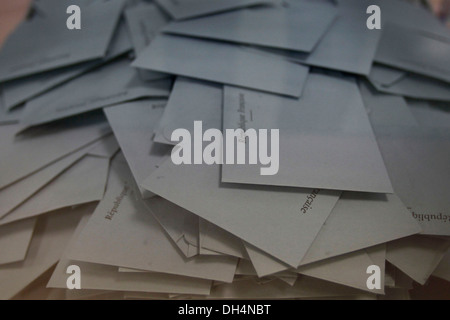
(20, 90)
(133, 124)
(223, 63)
(44, 42)
(326, 140)
(109, 84)
(415, 50)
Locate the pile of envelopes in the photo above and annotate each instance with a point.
(87, 178)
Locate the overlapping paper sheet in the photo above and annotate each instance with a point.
(362, 175)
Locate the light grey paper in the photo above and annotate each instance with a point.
(23, 89)
(297, 28)
(45, 43)
(385, 76)
(223, 63)
(416, 51)
(251, 210)
(194, 8)
(112, 83)
(47, 144)
(326, 140)
(190, 100)
(123, 212)
(133, 124)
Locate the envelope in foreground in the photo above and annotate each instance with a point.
(298, 28)
(102, 277)
(415, 51)
(325, 137)
(223, 63)
(269, 218)
(193, 8)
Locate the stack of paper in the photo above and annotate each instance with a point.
(224, 149)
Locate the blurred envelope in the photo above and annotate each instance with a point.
(415, 50)
(194, 8)
(346, 46)
(44, 42)
(18, 91)
(326, 140)
(223, 63)
(295, 28)
(102, 277)
(109, 84)
(47, 144)
(133, 124)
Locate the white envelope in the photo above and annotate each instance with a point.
(296, 28)
(44, 42)
(135, 227)
(133, 124)
(193, 8)
(252, 210)
(47, 144)
(14, 240)
(325, 137)
(109, 84)
(430, 114)
(223, 63)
